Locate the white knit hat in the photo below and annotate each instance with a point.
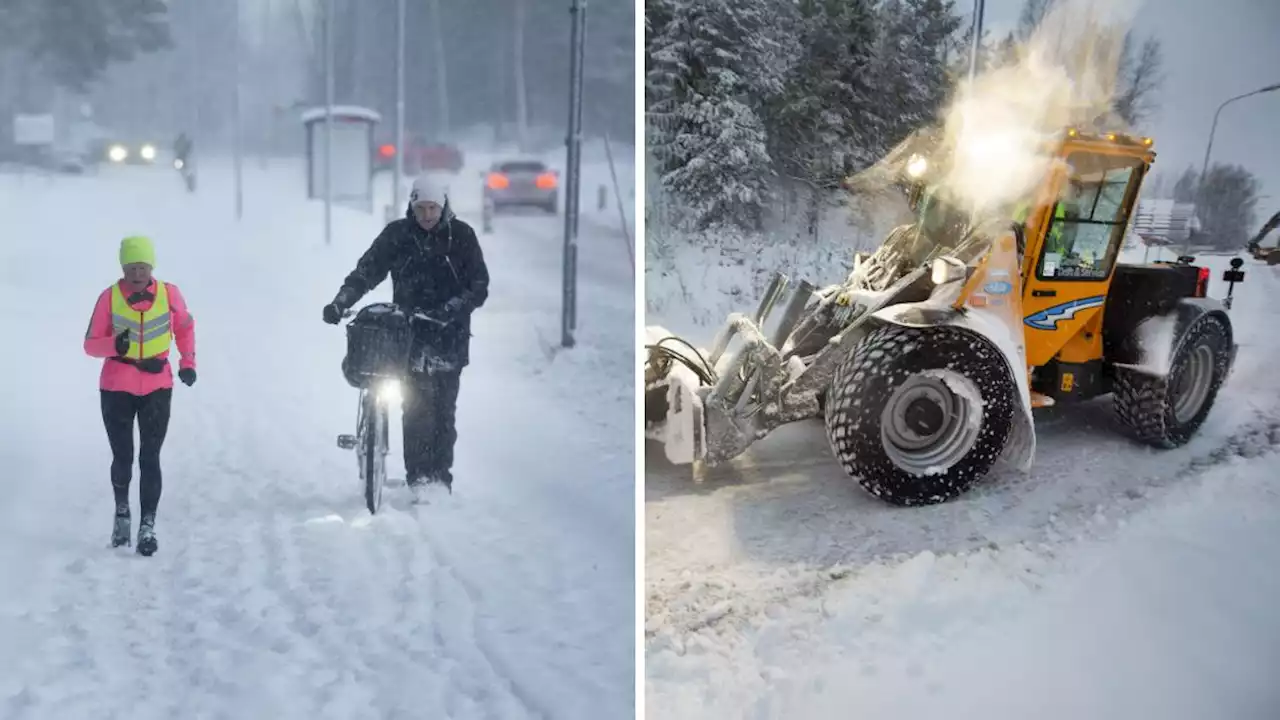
(426, 190)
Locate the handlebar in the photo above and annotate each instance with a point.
(348, 313)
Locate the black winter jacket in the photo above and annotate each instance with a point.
(428, 269)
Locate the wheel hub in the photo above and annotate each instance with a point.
(924, 416)
(926, 426)
(1191, 389)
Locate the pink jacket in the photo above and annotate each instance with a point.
(100, 342)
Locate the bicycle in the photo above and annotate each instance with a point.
(379, 343)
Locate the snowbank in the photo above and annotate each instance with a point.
(1167, 615)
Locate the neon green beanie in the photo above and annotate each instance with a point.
(137, 249)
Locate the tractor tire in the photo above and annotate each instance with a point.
(899, 425)
(1166, 412)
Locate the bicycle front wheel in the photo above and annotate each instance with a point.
(374, 457)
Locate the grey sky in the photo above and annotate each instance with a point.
(1213, 49)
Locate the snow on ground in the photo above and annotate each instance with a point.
(1101, 584)
(274, 594)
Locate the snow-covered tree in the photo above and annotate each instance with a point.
(1184, 190)
(74, 41)
(820, 125)
(913, 80)
(1227, 207)
(709, 69)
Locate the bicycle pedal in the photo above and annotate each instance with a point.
(347, 442)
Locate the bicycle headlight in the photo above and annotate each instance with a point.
(390, 391)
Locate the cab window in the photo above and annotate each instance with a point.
(1088, 221)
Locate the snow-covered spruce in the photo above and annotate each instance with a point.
(1148, 405)
(895, 358)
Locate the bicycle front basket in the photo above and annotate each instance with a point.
(378, 345)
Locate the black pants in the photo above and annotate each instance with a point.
(152, 412)
(430, 403)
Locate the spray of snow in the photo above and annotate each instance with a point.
(1155, 337)
(991, 143)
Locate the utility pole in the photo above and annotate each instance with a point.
(328, 123)
(569, 319)
(442, 74)
(238, 131)
(398, 159)
(978, 7)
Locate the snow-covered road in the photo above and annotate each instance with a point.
(274, 593)
(776, 587)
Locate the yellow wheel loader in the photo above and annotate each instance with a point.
(927, 361)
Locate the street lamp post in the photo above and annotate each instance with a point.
(1204, 169)
(978, 7)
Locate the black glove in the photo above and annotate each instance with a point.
(343, 301)
(187, 376)
(122, 343)
(454, 310)
(332, 313)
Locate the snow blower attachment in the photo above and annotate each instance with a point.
(926, 362)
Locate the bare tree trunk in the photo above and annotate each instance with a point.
(442, 75)
(522, 97)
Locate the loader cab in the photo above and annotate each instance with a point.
(1073, 238)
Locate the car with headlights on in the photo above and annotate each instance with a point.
(131, 152)
(522, 183)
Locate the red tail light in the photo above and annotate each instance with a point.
(387, 151)
(1202, 282)
(498, 181)
(546, 181)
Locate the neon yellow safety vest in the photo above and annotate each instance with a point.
(150, 333)
(1055, 233)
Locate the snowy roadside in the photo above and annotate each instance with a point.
(1165, 615)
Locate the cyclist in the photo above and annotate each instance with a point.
(437, 269)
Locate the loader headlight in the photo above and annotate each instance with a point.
(148, 152)
(390, 391)
(117, 153)
(917, 165)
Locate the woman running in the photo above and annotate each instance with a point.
(133, 325)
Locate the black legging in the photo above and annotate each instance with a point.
(152, 411)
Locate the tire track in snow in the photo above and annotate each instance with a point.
(687, 607)
(469, 596)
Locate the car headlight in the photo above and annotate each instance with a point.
(390, 391)
(148, 152)
(117, 153)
